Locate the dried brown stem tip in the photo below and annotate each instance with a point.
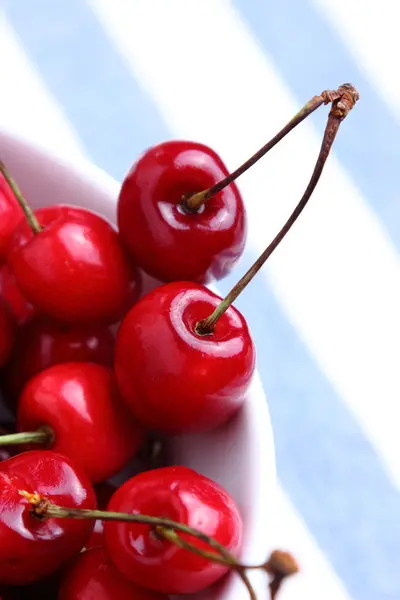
(280, 565)
(192, 202)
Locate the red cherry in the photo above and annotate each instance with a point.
(173, 379)
(9, 290)
(80, 403)
(93, 576)
(185, 496)
(42, 343)
(32, 548)
(75, 269)
(7, 332)
(167, 242)
(10, 215)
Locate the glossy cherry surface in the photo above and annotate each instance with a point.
(32, 548)
(9, 290)
(42, 343)
(94, 577)
(7, 332)
(173, 379)
(185, 496)
(167, 242)
(82, 406)
(10, 215)
(75, 270)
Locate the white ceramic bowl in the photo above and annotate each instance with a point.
(240, 455)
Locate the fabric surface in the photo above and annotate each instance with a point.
(108, 78)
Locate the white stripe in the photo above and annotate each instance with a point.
(337, 275)
(26, 107)
(370, 30)
(316, 579)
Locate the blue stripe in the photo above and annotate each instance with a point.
(310, 55)
(106, 106)
(324, 460)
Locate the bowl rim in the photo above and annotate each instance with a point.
(262, 458)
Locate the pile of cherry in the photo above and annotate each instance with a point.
(85, 399)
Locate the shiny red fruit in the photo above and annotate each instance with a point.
(7, 332)
(94, 577)
(42, 343)
(167, 242)
(10, 215)
(180, 494)
(81, 405)
(9, 290)
(31, 548)
(173, 379)
(75, 269)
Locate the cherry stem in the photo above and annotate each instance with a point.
(28, 212)
(168, 530)
(44, 435)
(193, 202)
(343, 102)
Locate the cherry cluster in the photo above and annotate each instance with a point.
(91, 368)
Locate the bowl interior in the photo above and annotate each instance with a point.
(240, 455)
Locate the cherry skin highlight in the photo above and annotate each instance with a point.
(43, 342)
(9, 290)
(104, 491)
(173, 379)
(75, 269)
(31, 548)
(10, 215)
(185, 496)
(7, 332)
(94, 576)
(90, 423)
(164, 240)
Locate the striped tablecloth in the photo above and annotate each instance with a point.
(108, 78)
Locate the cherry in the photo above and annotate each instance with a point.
(184, 358)
(32, 548)
(168, 242)
(43, 342)
(185, 496)
(10, 215)
(7, 332)
(9, 290)
(72, 266)
(173, 379)
(148, 547)
(94, 576)
(75, 409)
(179, 211)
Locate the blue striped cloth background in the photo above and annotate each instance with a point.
(108, 78)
